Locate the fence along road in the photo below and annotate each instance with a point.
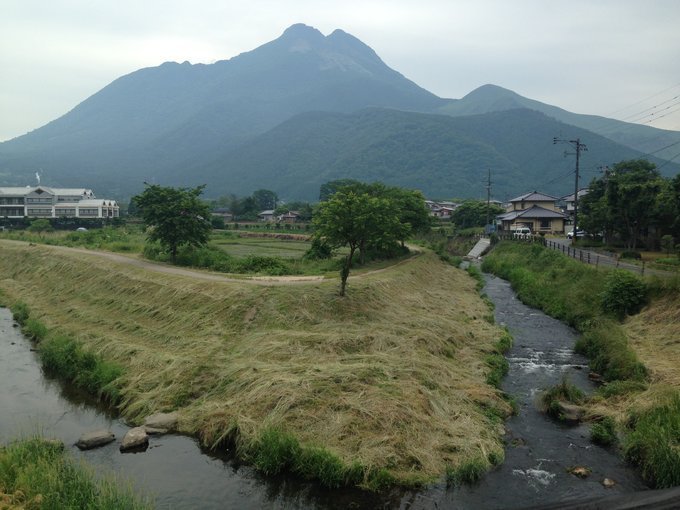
(590, 257)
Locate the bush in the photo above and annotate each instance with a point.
(624, 294)
(320, 250)
(635, 255)
(620, 388)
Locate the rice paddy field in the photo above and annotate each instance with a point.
(386, 385)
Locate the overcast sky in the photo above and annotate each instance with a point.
(618, 58)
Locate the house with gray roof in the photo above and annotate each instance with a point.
(535, 210)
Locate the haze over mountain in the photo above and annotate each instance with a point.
(301, 110)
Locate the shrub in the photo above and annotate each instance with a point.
(635, 255)
(499, 368)
(624, 294)
(319, 250)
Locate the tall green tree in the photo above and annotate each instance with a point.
(330, 187)
(474, 213)
(174, 216)
(265, 199)
(354, 220)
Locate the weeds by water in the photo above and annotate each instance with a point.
(603, 432)
(653, 442)
(562, 392)
(65, 358)
(37, 473)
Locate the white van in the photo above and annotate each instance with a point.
(521, 233)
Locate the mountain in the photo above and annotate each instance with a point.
(441, 155)
(300, 110)
(162, 118)
(646, 139)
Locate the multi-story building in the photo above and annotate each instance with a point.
(45, 202)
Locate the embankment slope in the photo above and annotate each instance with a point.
(390, 377)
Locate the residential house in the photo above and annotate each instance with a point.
(46, 202)
(267, 215)
(535, 210)
(289, 217)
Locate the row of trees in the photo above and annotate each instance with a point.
(364, 217)
(632, 202)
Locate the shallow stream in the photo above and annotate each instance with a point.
(179, 474)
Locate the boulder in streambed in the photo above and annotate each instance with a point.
(95, 439)
(161, 423)
(135, 439)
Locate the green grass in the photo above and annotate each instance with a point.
(36, 473)
(603, 432)
(65, 358)
(653, 442)
(562, 392)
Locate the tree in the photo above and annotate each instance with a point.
(40, 225)
(330, 187)
(474, 213)
(354, 220)
(265, 199)
(175, 216)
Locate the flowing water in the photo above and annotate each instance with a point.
(180, 475)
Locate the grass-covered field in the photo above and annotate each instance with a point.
(388, 384)
(639, 356)
(36, 473)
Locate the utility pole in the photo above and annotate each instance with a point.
(488, 199)
(579, 148)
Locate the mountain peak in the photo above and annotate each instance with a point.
(300, 30)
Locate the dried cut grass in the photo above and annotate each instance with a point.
(391, 376)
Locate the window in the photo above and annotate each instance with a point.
(545, 224)
(88, 212)
(12, 211)
(11, 201)
(39, 212)
(65, 212)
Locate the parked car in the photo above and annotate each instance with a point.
(579, 233)
(521, 233)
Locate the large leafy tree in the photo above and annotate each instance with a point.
(175, 216)
(265, 199)
(356, 219)
(474, 213)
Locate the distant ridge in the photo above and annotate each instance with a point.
(297, 110)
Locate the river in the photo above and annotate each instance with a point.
(179, 474)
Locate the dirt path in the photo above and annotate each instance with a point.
(201, 274)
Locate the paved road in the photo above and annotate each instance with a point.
(599, 259)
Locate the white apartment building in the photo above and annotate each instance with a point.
(45, 202)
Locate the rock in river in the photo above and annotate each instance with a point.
(135, 439)
(160, 423)
(94, 439)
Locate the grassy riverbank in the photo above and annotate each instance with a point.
(639, 355)
(385, 385)
(36, 473)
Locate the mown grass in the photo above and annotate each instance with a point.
(36, 473)
(639, 357)
(388, 382)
